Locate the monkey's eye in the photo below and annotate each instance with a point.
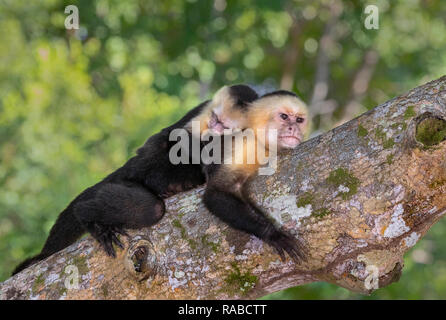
(300, 120)
(284, 116)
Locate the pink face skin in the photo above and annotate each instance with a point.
(217, 125)
(291, 128)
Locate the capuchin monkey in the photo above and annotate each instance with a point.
(132, 196)
(228, 111)
(226, 193)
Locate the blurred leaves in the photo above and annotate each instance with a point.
(75, 104)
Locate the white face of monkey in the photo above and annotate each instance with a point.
(288, 121)
(292, 126)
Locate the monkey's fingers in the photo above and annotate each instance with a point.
(297, 250)
(107, 244)
(279, 251)
(116, 240)
(104, 236)
(288, 243)
(121, 231)
(109, 249)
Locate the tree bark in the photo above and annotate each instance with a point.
(359, 196)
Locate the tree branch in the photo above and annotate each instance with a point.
(360, 196)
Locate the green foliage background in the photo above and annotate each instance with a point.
(75, 104)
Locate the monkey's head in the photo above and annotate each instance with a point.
(227, 109)
(283, 116)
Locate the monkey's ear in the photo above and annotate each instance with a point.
(221, 96)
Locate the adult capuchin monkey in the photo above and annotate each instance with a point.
(226, 194)
(132, 196)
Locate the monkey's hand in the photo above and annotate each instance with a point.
(107, 236)
(283, 242)
(244, 215)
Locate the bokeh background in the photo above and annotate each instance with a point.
(75, 104)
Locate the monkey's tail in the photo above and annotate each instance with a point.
(27, 263)
(65, 231)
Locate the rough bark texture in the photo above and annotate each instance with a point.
(360, 196)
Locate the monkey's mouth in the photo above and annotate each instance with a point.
(216, 125)
(291, 141)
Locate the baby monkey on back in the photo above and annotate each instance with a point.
(132, 196)
(278, 120)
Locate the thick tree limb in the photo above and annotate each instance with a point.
(360, 196)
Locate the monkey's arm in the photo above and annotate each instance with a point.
(241, 214)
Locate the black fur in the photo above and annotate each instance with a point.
(243, 95)
(280, 93)
(132, 196)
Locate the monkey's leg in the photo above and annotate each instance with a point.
(245, 216)
(116, 207)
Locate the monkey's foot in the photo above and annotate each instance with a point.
(283, 242)
(107, 236)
